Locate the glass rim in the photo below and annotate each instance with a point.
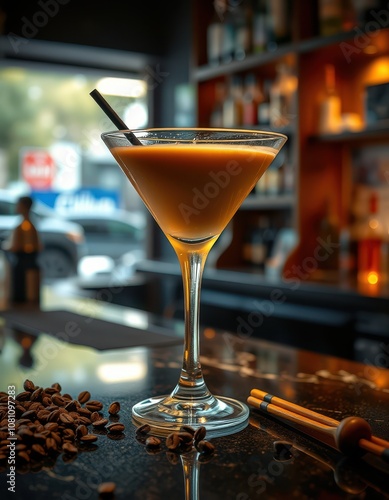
(251, 134)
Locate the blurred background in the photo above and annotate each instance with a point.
(316, 71)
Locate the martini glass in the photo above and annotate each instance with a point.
(193, 181)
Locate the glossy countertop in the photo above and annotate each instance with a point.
(245, 465)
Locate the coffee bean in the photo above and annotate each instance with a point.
(72, 406)
(84, 412)
(94, 405)
(69, 448)
(28, 385)
(185, 437)
(84, 420)
(68, 434)
(54, 416)
(115, 427)
(84, 396)
(30, 414)
(199, 435)
(66, 419)
(38, 450)
(58, 400)
(42, 415)
(67, 397)
(81, 431)
(106, 490)
(51, 426)
(56, 386)
(89, 438)
(143, 429)
(23, 396)
(173, 441)
(114, 408)
(46, 401)
(205, 447)
(188, 428)
(50, 391)
(100, 423)
(57, 438)
(51, 444)
(153, 442)
(95, 416)
(37, 394)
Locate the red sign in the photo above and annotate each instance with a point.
(38, 169)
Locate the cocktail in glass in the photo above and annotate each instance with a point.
(193, 181)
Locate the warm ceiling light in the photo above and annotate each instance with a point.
(123, 87)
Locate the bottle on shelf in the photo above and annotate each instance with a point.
(371, 238)
(258, 242)
(264, 106)
(216, 118)
(232, 106)
(260, 23)
(243, 35)
(252, 97)
(279, 31)
(283, 97)
(330, 106)
(330, 17)
(329, 239)
(215, 35)
(228, 39)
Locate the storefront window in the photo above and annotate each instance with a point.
(50, 128)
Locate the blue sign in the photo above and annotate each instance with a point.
(81, 200)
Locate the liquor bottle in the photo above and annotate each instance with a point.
(330, 17)
(251, 99)
(258, 243)
(243, 21)
(232, 106)
(279, 23)
(228, 39)
(23, 248)
(329, 239)
(330, 107)
(283, 97)
(264, 105)
(216, 118)
(215, 36)
(371, 237)
(260, 26)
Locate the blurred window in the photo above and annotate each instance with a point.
(47, 108)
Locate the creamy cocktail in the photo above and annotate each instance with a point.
(193, 181)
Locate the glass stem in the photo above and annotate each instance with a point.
(191, 384)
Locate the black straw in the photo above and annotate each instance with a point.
(114, 117)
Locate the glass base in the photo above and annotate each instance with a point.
(219, 415)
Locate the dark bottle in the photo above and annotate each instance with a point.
(329, 240)
(23, 250)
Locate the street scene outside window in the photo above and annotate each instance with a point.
(89, 221)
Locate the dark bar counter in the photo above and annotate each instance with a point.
(253, 463)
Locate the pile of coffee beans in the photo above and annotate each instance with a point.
(48, 424)
(178, 442)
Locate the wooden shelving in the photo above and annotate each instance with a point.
(322, 163)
